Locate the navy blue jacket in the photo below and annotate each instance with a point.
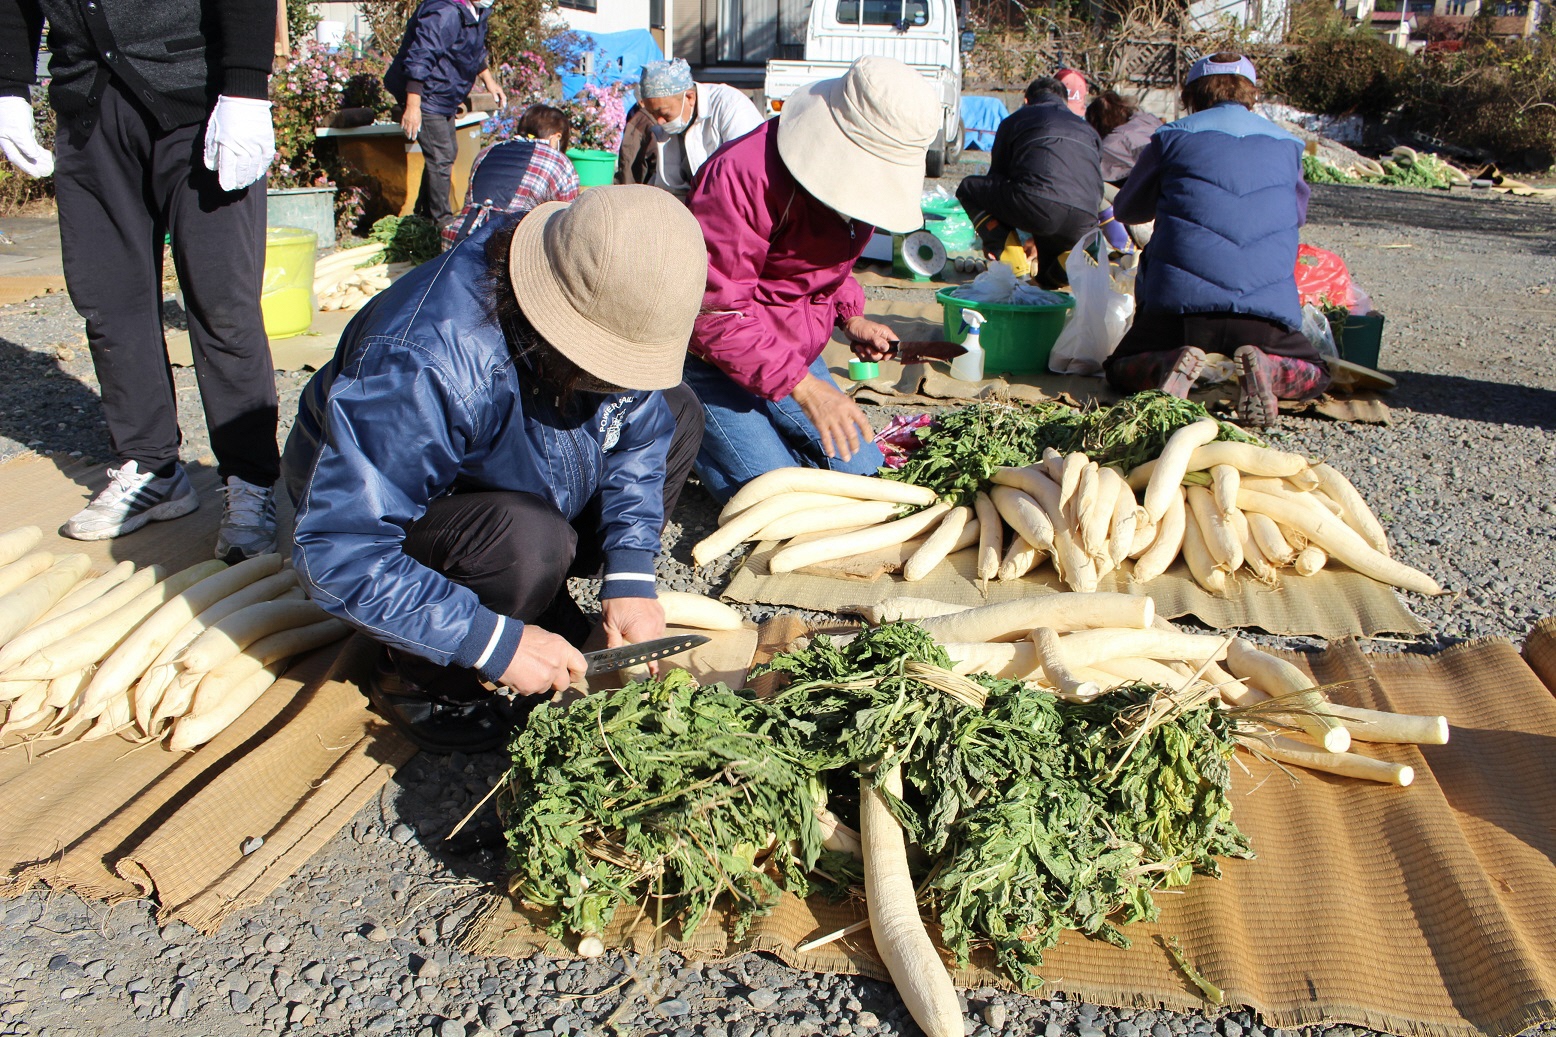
(1226, 191)
(423, 397)
(443, 50)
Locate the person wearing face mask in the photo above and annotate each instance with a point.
(442, 56)
(786, 211)
(517, 175)
(681, 125)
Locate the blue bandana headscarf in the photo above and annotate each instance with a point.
(665, 78)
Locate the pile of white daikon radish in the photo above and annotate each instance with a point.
(341, 282)
(1225, 507)
(1082, 645)
(139, 651)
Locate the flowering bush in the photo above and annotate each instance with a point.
(598, 115)
(306, 91)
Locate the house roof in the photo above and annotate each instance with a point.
(1391, 17)
(1458, 24)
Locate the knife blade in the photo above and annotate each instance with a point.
(918, 352)
(611, 659)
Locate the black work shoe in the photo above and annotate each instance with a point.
(440, 725)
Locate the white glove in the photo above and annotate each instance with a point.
(240, 141)
(19, 138)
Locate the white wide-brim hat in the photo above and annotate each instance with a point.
(613, 281)
(857, 142)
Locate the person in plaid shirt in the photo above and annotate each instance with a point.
(519, 174)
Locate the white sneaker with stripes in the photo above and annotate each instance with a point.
(132, 499)
(248, 521)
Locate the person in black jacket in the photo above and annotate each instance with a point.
(441, 56)
(1044, 181)
(164, 127)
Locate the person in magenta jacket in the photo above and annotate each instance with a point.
(786, 210)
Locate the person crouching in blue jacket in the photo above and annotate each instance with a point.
(1226, 191)
(501, 418)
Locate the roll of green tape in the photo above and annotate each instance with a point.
(863, 370)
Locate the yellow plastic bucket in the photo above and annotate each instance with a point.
(286, 294)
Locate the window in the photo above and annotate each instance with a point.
(906, 13)
(656, 14)
(579, 5)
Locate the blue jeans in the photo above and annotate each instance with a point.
(746, 436)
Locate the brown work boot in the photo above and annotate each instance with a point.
(1187, 365)
(1256, 402)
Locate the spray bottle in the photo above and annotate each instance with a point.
(969, 366)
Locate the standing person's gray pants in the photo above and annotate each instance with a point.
(121, 183)
(438, 148)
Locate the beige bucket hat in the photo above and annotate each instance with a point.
(857, 143)
(613, 281)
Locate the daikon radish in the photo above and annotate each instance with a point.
(1372, 725)
(1083, 508)
(1165, 549)
(1145, 533)
(1253, 558)
(1147, 671)
(96, 640)
(1353, 509)
(737, 530)
(684, 609)
(937, 547)
(27, 709)
(1020, 558)
(18, 542)
(1247, 458)
(275, 648)
(891, 558)
(990, 536)
(829, 517)
(782, 481)
(1063, 612)
(997, 660)
(23, 569)
(176, 696)
(267, 589)
(1023, 514)
(1202, 564)
(1310, 560)
(1173, 464)
(1069, 482)
(32, 599)
(119, 672)
(1089, 647)
(1121, 524)
(1097, 520)
(836, 836)
(1272, 545)
(1231, 689)
(894, 610)
(241, 629)
(1304, 481)
(1220, 540)
(1030, 480)
(1344, 764)
(1319, 496)
(64, 692)
(799, 555)
(42, 634)
(1223, 487)
(1278, 678)
(115, 717)
(11, 691)
(89, 590)
(910, 958)
(1056, 670)
(195, 729)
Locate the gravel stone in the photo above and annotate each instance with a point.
(240, 1002)
(275, 943)
(993, 1014)
(867, 1020)
(762, 999)
(402, 834)
(674, 1007)
(450, 1028)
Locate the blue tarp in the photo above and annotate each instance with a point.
(620, 56)
(981, 116)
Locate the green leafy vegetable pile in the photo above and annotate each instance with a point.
(1034, 818)
(962, 449)
(407, 239)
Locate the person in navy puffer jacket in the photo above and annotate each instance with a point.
(1225, 188)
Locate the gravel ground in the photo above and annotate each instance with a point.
(360, 940)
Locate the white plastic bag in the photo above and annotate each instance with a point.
(1316, 329)
(995, 284)
(1101, 316)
